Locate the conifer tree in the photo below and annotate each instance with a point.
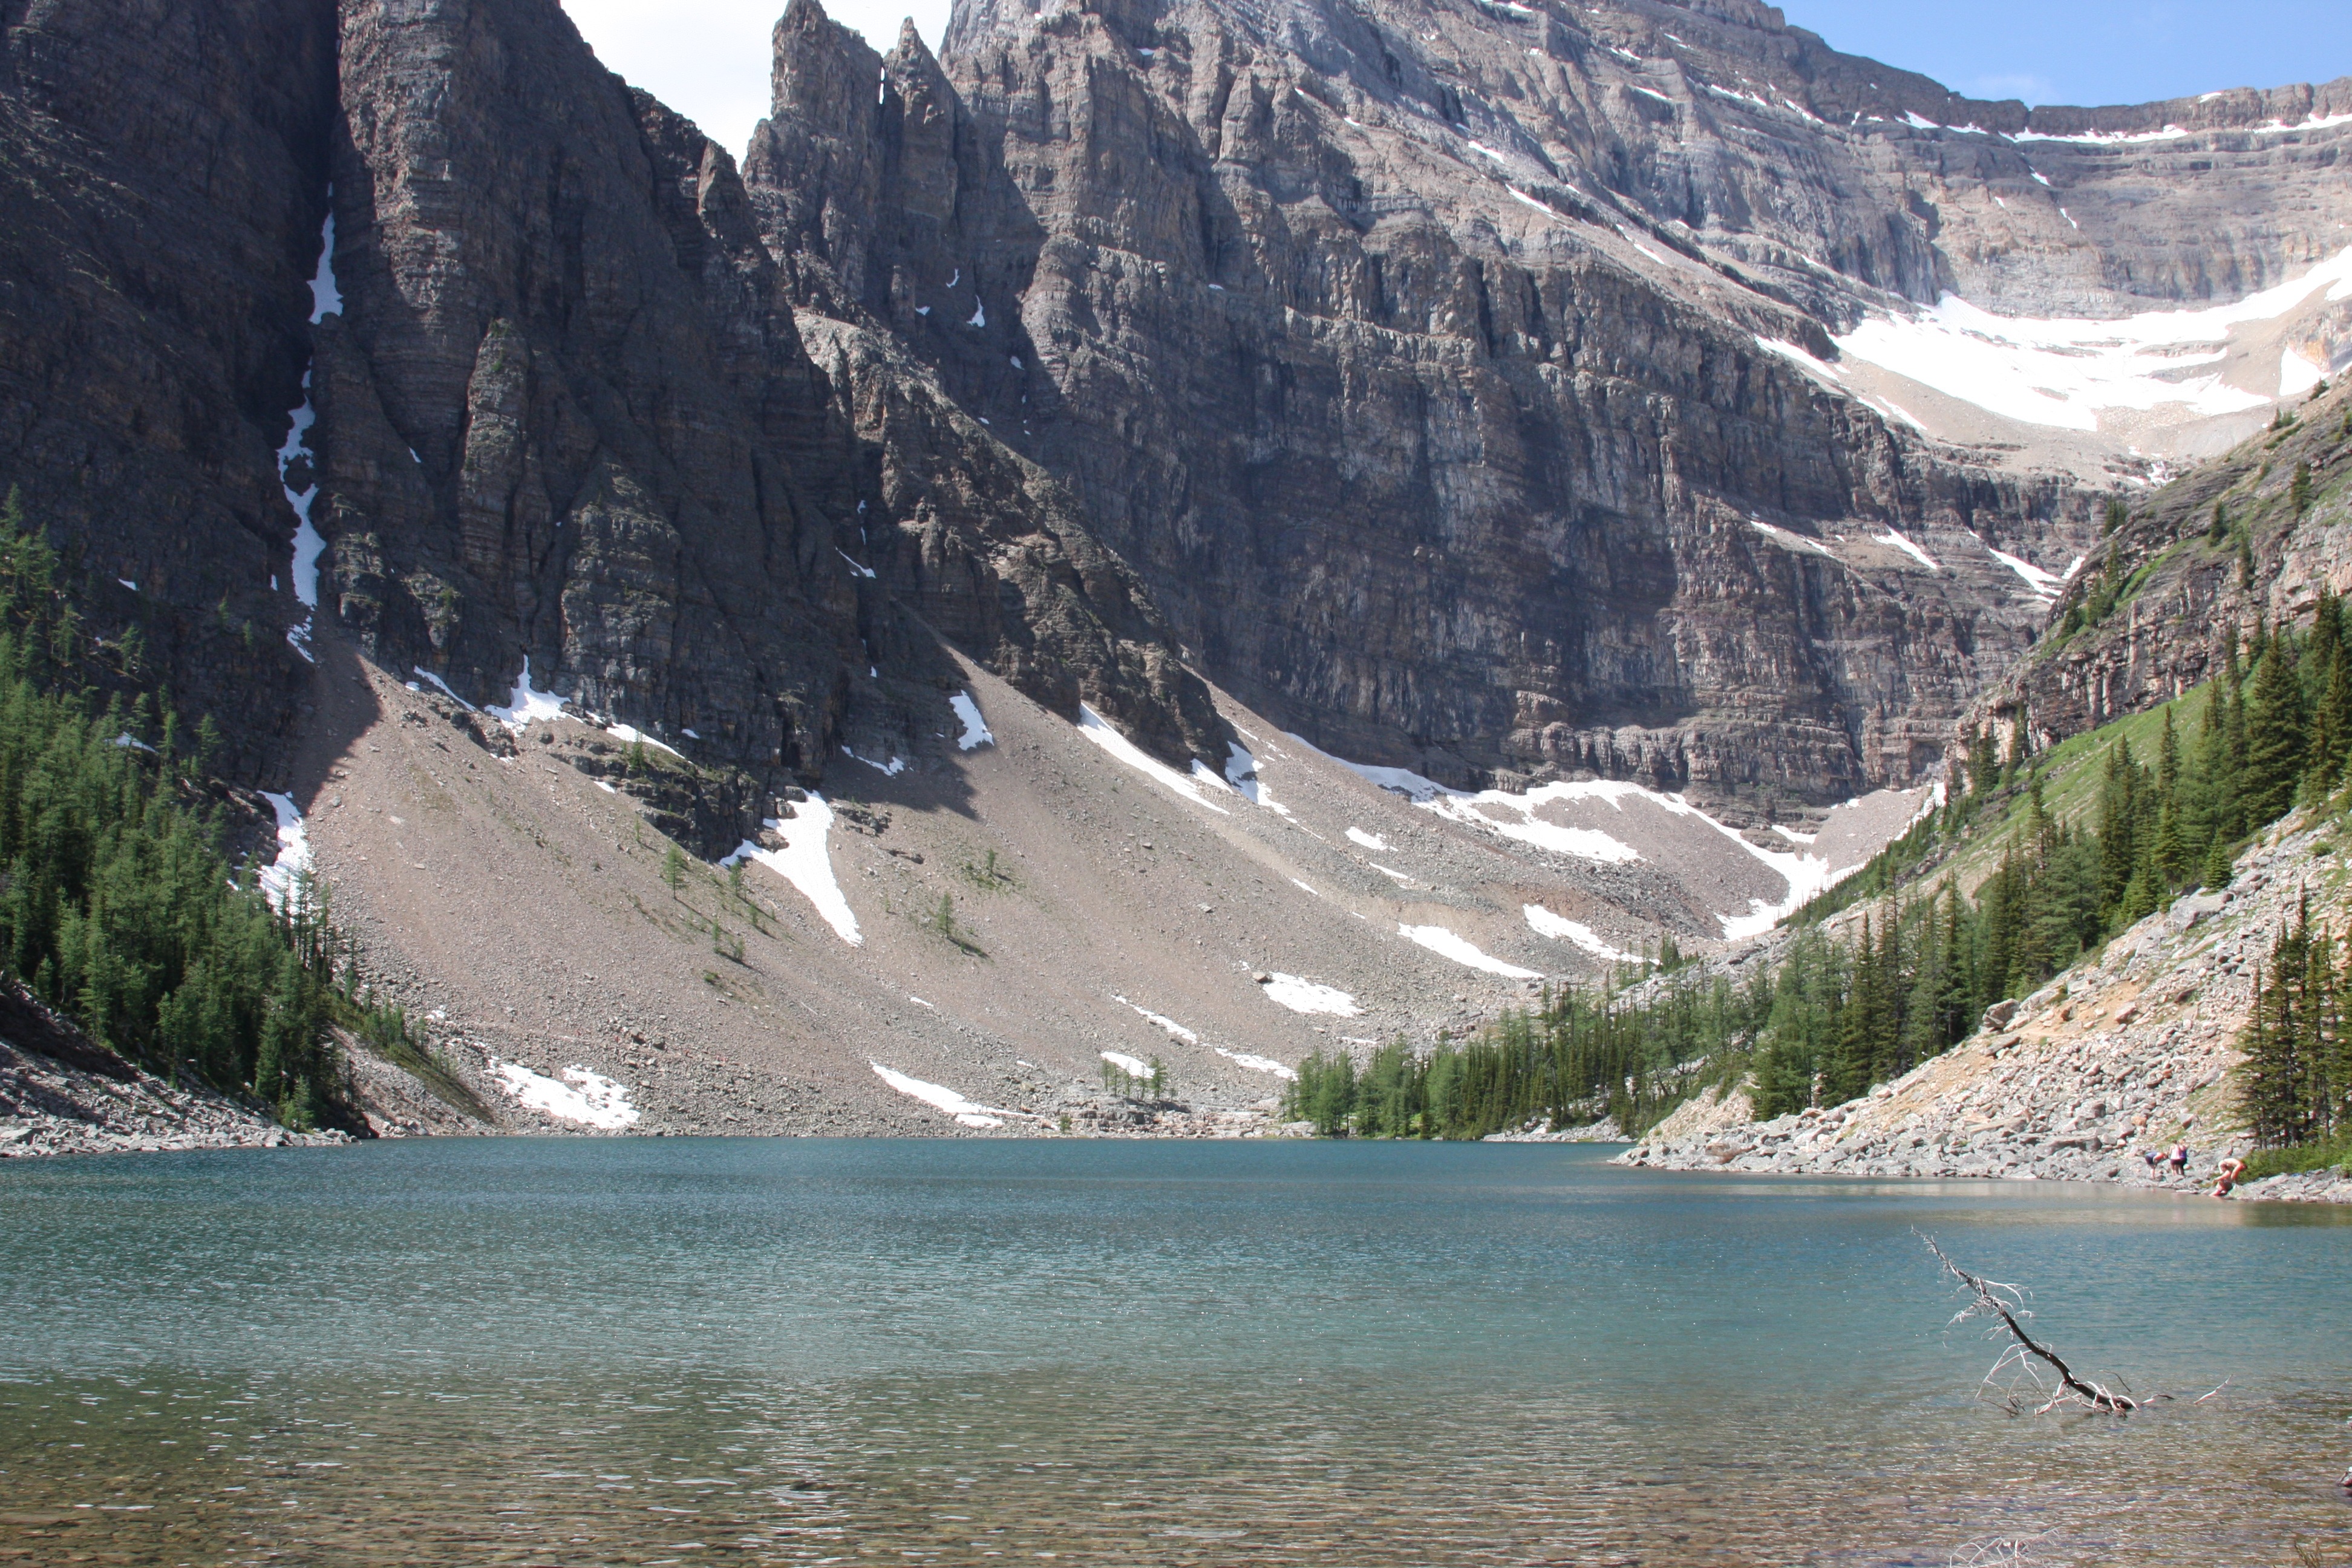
(2275, 736)
(2332, 739)
(2277, 1090)
(2232, 822)
(1984, 767)
(2142, 895)
(2319, 648)
(1957, 1001)
(2118, 819)
(2171, 849)
(2299, 489)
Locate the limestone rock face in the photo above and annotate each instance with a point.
(159, 164)
(1454, 383)
(2200, 562)
(563, 412)
(1386, 345)
(626, 464)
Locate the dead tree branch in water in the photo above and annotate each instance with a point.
(2007, 1552)
(1989, 1298)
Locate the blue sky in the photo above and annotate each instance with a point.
(709, 59)
(2092, 51)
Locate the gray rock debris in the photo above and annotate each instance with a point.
(49, 1107)
(2120, 1057)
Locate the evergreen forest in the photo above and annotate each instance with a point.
(120, 910)
(1913, 975)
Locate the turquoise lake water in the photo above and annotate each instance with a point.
(677, 1351)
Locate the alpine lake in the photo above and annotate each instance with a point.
(639, 1351)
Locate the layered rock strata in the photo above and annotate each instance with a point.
(1352, 332)
(2200, 561)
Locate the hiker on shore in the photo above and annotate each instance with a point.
(2227, 1176)
(2181, 1158)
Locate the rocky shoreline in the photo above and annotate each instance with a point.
(53, 1107)
(2124, 1056)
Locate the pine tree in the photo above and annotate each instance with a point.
(2299, 489)
(1984, 765)
(2232, 822)
(2118, 817)
(2217, 866)
(2171, 849)
(2320, 649)
(2220, 531)
(1957, 1003)
(2278, 1092)
(2275, 736)
(2332, 738)
(2142, 895)
(2205, 797)
(1848, 1071)
(2167, 757)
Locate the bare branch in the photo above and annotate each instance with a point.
(2009, 1552)
(1993, 1300)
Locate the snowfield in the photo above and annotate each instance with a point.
(1306, 996)
(806, 864)
(588, 1097)
(1543, 922)
(1446, 944)
(967, 1112)
(2065, 372)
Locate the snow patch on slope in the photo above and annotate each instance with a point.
(805, 862)
(1896, 538)
(1095, 728)
(588, 1097)
(1174, 1030)
(2045, 585)
(526, 703)
(281, 879)
(1306, 996)
(1543, 922)
(1462, 950)
(1242, 777)
(975, 728)
(968, 1112)
(1256, 1063)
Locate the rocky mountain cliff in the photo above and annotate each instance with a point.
(1456, 381)
(1449, 370)
(2250, 540)
(548, 400)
